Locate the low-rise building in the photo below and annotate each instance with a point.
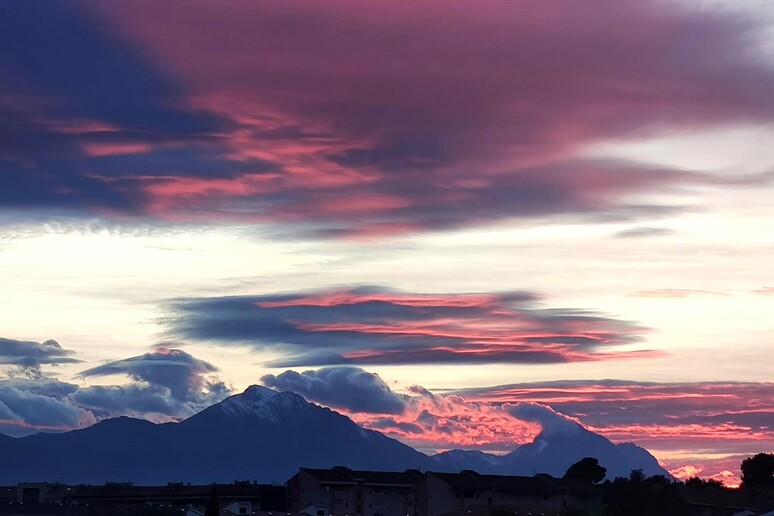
(346, 492)
(343, 492)
(259, 496)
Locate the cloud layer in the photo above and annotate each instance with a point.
(28, 356)
(731, 420)
(339, 120)
(167, 384)
(376, 325)
(421, 418)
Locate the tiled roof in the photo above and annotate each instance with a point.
(342, 475)
(501, 510)
(470, 480)
(168, 492)
(338, 475)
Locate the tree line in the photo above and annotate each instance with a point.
(639, 495)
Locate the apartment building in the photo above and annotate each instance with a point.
(344, 492)
(348, 492)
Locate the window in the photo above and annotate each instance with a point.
(338, 501)
(378, 514)
(378, 490)
(378, 503)
(320, 513)
(410, 503)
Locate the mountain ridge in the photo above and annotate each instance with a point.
(266, 435)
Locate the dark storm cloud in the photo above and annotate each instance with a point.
(376, 325)
(321, 119)
(349, 388)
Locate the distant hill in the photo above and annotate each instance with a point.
(266, 435)
(553, 454)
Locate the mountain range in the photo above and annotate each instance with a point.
(265, 435)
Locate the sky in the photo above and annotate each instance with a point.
(420, 214)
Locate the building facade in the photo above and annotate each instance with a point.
(347, 492)
(344, 492)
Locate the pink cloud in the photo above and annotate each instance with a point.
(686, 472)
(437, 422)
(113, 149)
(348, 297)
(80, 126)
(416, 327)
(706, 426)
(400, 118)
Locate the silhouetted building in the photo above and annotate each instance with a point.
(259, 496)
(42, 492)
(344, 492)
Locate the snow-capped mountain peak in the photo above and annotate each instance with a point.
(252, 401)
(262, 403)
(259, 392)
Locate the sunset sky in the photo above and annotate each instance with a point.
(429, 212)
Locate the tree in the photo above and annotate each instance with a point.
(637, 475)
(587, 470)
(213, 508)
(698, 483)
(639, 495)
(758, 470)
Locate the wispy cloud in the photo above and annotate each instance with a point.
(728, 418)
(376, 325)
(643, 232)
(677, 293)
